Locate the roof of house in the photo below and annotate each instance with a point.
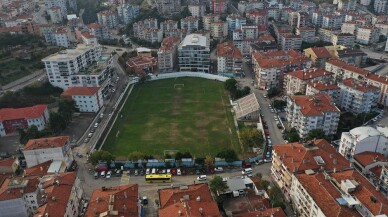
(364, 191)
(324, 195)
(346, 66)
(307, 74)
(228, 50)
(58, 189)
(246, 105)
(7, 162)
(315, 105)
(123, 199)
(42, 143)
(95, 26)
(139, 61)
(320, 52)
(10, 188)
(366, 158)
(271, 212)
(276, 59)
(36, 111)
(364, 132)
(354, 84)
(38, 170)
(81, 91)
(299, 157)
(320, 86)
(179, 199)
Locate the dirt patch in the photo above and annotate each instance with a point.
(177, 103)
(174, 133)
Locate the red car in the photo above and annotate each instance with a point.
(173, 171)
(100, 169)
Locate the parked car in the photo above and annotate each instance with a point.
(197, 172)
(136, 173)
(142, 172)
(148, 171)
(102, 174)
(95, 125)
(86, 140)
(108, 174)
(202, 178)
(168, 171)
(92, 130)
(265, 95)
(179, 172)
(118, 173)
(219, 169)
(276, 118)
(90, 135)
(96, 175)
(273, 111)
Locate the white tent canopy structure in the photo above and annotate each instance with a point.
(247, 108)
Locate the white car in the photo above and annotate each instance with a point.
(219, 169)
(265, 95)
(276, 118)
(179, 172)
(202, 178)
(108, 174)
(273, 111)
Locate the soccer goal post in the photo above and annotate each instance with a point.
(179, 85)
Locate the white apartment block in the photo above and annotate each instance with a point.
(235, 22)
(362, 139)
(209, 19)
(197, 10)
(229, 59)
(367, 35)
(218, 6)
(55, 14)
(219, 29)
(167, 54)
(38, 151)
(331, 89)
(190, 24)
(108, 18)
(344, 39)
(365, 2)
(380, 6)
(244, 6)
(168, 7)
(169, 24)
(87, 99)
(80, 67)
(61, 39)
(127, 12)
(250, 32)
(332, 21)
(349, 27)
(296, 81)
(194, 54)
(176, 33)
(347, 5)
(152, 35)
(306, 113)
(383, 28)
(307, 34)
(58, 3)
(357, 97)
(98, 30)
(290, 42)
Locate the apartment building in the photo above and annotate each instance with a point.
(270, 67)
(57, 3)
(108, 18)
(98, 30)
(367, 35)
(141, 65)
(235, 22)
(357, 97)
(87, 99)
(296, 81)
(38, 151)
(219, 29)
(349, 55)
(306, 113)
(370, 164)
(328, 88)
(123, 200)
(229, 59)
(194, 54)
(167, 54)
(126, 13)
(55, 14)
(175, 33)
(62, 194)
(380, 6)
(218, 6)
(307, 34)
(168, 24)
(197, 9)
(168, 7)
(383, 28)
(190, 24)
(265, 43)
(83, 66)
(244, 6)
(291, 159)
(350, 27)
(61, 38)
(182, 200)
(362, 139)
(344, 193)
(22, 118)
(347, 5)
(249, 32)
(344, 39)
(290, 42)
(152, 35)
(209, 19)
(325, 34)
(318, 56)
(258, 17)
(332, 21)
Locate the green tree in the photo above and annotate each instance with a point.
(178, 156)
(209, 162)
(217, 185)
(57, 122)
(101, 156)
(136, 155)
(273, 91)
(264, 184)
(228, 154)
(316, 134)
(231, 85)
(278, 104)
(293, 136)
(298, 94)
(252, 137)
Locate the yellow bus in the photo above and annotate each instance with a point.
(158, 178)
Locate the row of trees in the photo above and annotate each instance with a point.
(293, 136)
(234, 90)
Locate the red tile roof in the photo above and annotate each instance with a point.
(277, 59)
(315, 105)
(38, 170)
(51, 142)
(323, 86)
(364, 191)
(320, 52)
(81, 91)
(36, 111)
(124, 200)
(7, 162)
(324, 195)
(95, 26)
(272, 212)
(311, 73)
(228, 50)
(354, 84)
(57, 194)
(368, 157)
(199, 200)
(87, 35)
(9, 191)
(298, 157)
(343, 65)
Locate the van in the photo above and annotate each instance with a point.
(102, 174)
(247, 171)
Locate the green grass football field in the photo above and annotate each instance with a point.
(183, 114)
